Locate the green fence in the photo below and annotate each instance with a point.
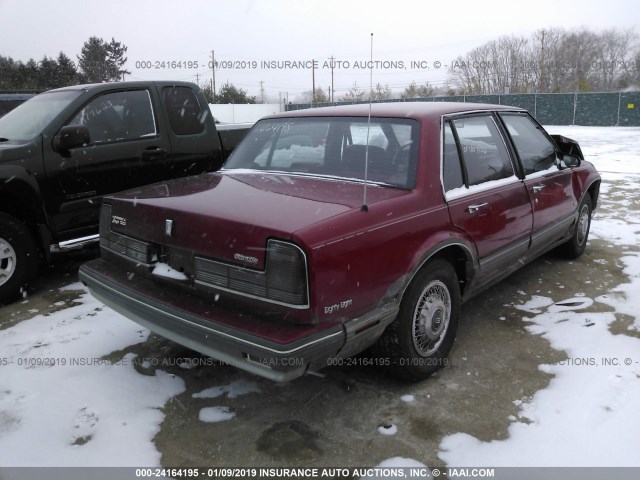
(596, 109)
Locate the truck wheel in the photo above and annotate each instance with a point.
(421, 336)
(578, 241)
(18, 257)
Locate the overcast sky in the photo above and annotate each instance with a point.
(284, 30)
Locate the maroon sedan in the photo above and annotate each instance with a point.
(331, 230)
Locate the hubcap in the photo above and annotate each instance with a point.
(431, 318)
(7, 261)
(583, 225)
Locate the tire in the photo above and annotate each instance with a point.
(578, 241)
(418, 341)
(18, 257)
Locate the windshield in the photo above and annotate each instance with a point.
(333, 146)
(30, 118)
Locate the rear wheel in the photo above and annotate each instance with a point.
(421, 336)
(578, 241)
(18, 257)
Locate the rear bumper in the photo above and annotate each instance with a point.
(244, 341)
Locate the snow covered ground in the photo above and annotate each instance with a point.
(70, 394)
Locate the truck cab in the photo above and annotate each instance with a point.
(63, 150)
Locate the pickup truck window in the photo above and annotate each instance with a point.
(483, 151)
(35, 114)
(118, 116)
(535, 150)
(335, 147)
(184, 111)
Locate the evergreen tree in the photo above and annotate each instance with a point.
(100, 61)
(229, 93)
(417, 91)
(116, 60)
(67, 73)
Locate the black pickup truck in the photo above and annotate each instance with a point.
(62, 150)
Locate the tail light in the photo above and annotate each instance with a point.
(283, 281)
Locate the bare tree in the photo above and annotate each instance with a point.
(550, 60)
(355, 94)
(381, 93)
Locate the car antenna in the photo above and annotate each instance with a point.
(365, 207)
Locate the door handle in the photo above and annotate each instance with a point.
(153, 152)
(475, 208)
(539, 188)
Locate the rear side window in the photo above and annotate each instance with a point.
(117, 116)
(184, 111)
(484, 154)
(535, 150)
(451, 168)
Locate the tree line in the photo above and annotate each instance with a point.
(550, 61)
(99, 61)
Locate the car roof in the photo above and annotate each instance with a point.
(398, 109)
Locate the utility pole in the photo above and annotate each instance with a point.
(213, 72)
(332, 58)
(261, 91)
(542, 72)
(313, 83)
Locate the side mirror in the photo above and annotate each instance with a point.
(568, 160)
(71, 136)
(568, 146)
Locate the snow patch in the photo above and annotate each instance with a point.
(388, 429)
(164, 270)
(63, 403)
(233, 390)
(216, 414)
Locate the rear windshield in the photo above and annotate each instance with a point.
(334, 147)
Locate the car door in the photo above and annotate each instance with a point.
(124, 139)
(549, 187)
(485, 197)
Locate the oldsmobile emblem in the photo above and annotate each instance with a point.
(168, 227)
(117, 220)
(245, 258)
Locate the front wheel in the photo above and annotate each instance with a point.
(18, 257)
(418, 341)
(576, 245)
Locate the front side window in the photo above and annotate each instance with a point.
(333, 146)
(117, 116)
(535, 150)
(484, 154)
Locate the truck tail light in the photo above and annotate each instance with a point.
(283, 281)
